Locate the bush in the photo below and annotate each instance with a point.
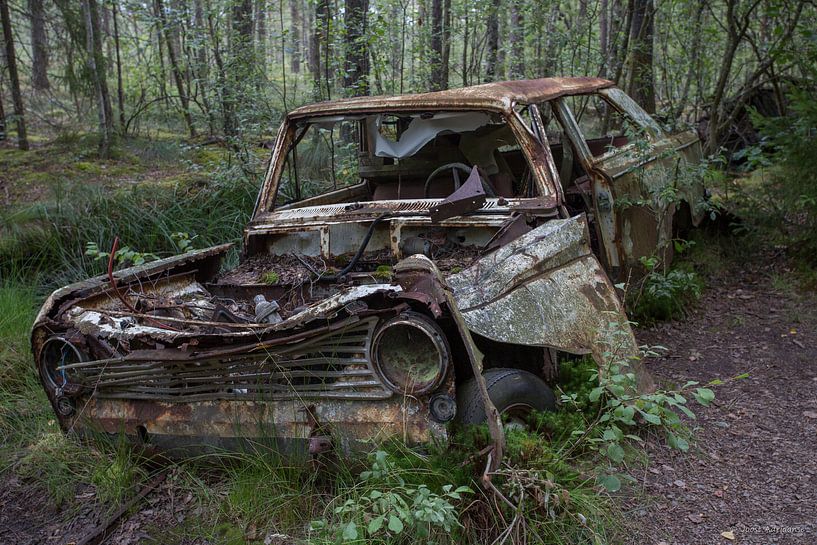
(665, 295)
(784, 206)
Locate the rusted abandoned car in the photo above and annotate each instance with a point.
(411, 261)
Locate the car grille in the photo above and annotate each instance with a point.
(333, 365)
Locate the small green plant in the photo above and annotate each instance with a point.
(387, 507)
(623, 410)
(383, 272)
(183, 241)
(270, 277)
(123, 257)
(664, 294)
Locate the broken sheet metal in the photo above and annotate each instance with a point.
(545, 289)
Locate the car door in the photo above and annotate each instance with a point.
(635, 170)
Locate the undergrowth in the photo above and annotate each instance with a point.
(52, 236)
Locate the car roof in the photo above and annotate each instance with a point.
(500, 96)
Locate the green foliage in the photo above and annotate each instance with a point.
(385, 508)
(383, 272)
(664, 295)
(122, 258)
(270, 278)
(784, 206)
(623, 411)
(67, 239)
(24, 410)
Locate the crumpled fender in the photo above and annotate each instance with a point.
(546, 288)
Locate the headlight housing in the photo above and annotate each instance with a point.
(411, 354)
(55, 353)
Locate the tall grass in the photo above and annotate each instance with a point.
(50, 237)
(24, 410)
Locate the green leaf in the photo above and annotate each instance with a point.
(677, 442)
(687, 412)
(376, 524)
(395, 524)
(652, 418)
(626, 414)
(615, 452)
(349, 532)
(610, 482)
(595, 394)
(704, 396)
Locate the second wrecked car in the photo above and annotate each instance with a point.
(411, 261)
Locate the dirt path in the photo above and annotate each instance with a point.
(754, 473)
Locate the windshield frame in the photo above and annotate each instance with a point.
(539, 161)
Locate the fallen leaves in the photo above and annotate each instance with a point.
(729, 534)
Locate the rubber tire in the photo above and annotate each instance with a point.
(506, 387)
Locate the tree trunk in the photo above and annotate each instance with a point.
(2, 114)
(604, 40)
(446, 64)
(39, 46)
(176, 69)
(161, 54)
(500, 51)
(440, 43)
(243, 73)
(517, 41)
(356, 69)
(261, 36)
(120, 91)
(225, 90)
(295, 36)
(323, 20)
(314, 57)
(11, 61)
(492, 31)
(641, 84)
(200, 68)
(96, 68)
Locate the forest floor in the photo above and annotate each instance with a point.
(750, 477)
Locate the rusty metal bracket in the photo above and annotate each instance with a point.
(468, 198)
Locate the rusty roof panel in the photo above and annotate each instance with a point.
(499, 96)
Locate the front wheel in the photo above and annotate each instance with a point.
(514, 392)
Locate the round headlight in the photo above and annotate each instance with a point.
(411, 354)
(55, 353)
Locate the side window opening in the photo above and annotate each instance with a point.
(565, 158)
(324, 158)
(603, 126)
(412, 155)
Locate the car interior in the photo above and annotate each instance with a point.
(429, 155)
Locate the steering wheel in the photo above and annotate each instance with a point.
(455, 169)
